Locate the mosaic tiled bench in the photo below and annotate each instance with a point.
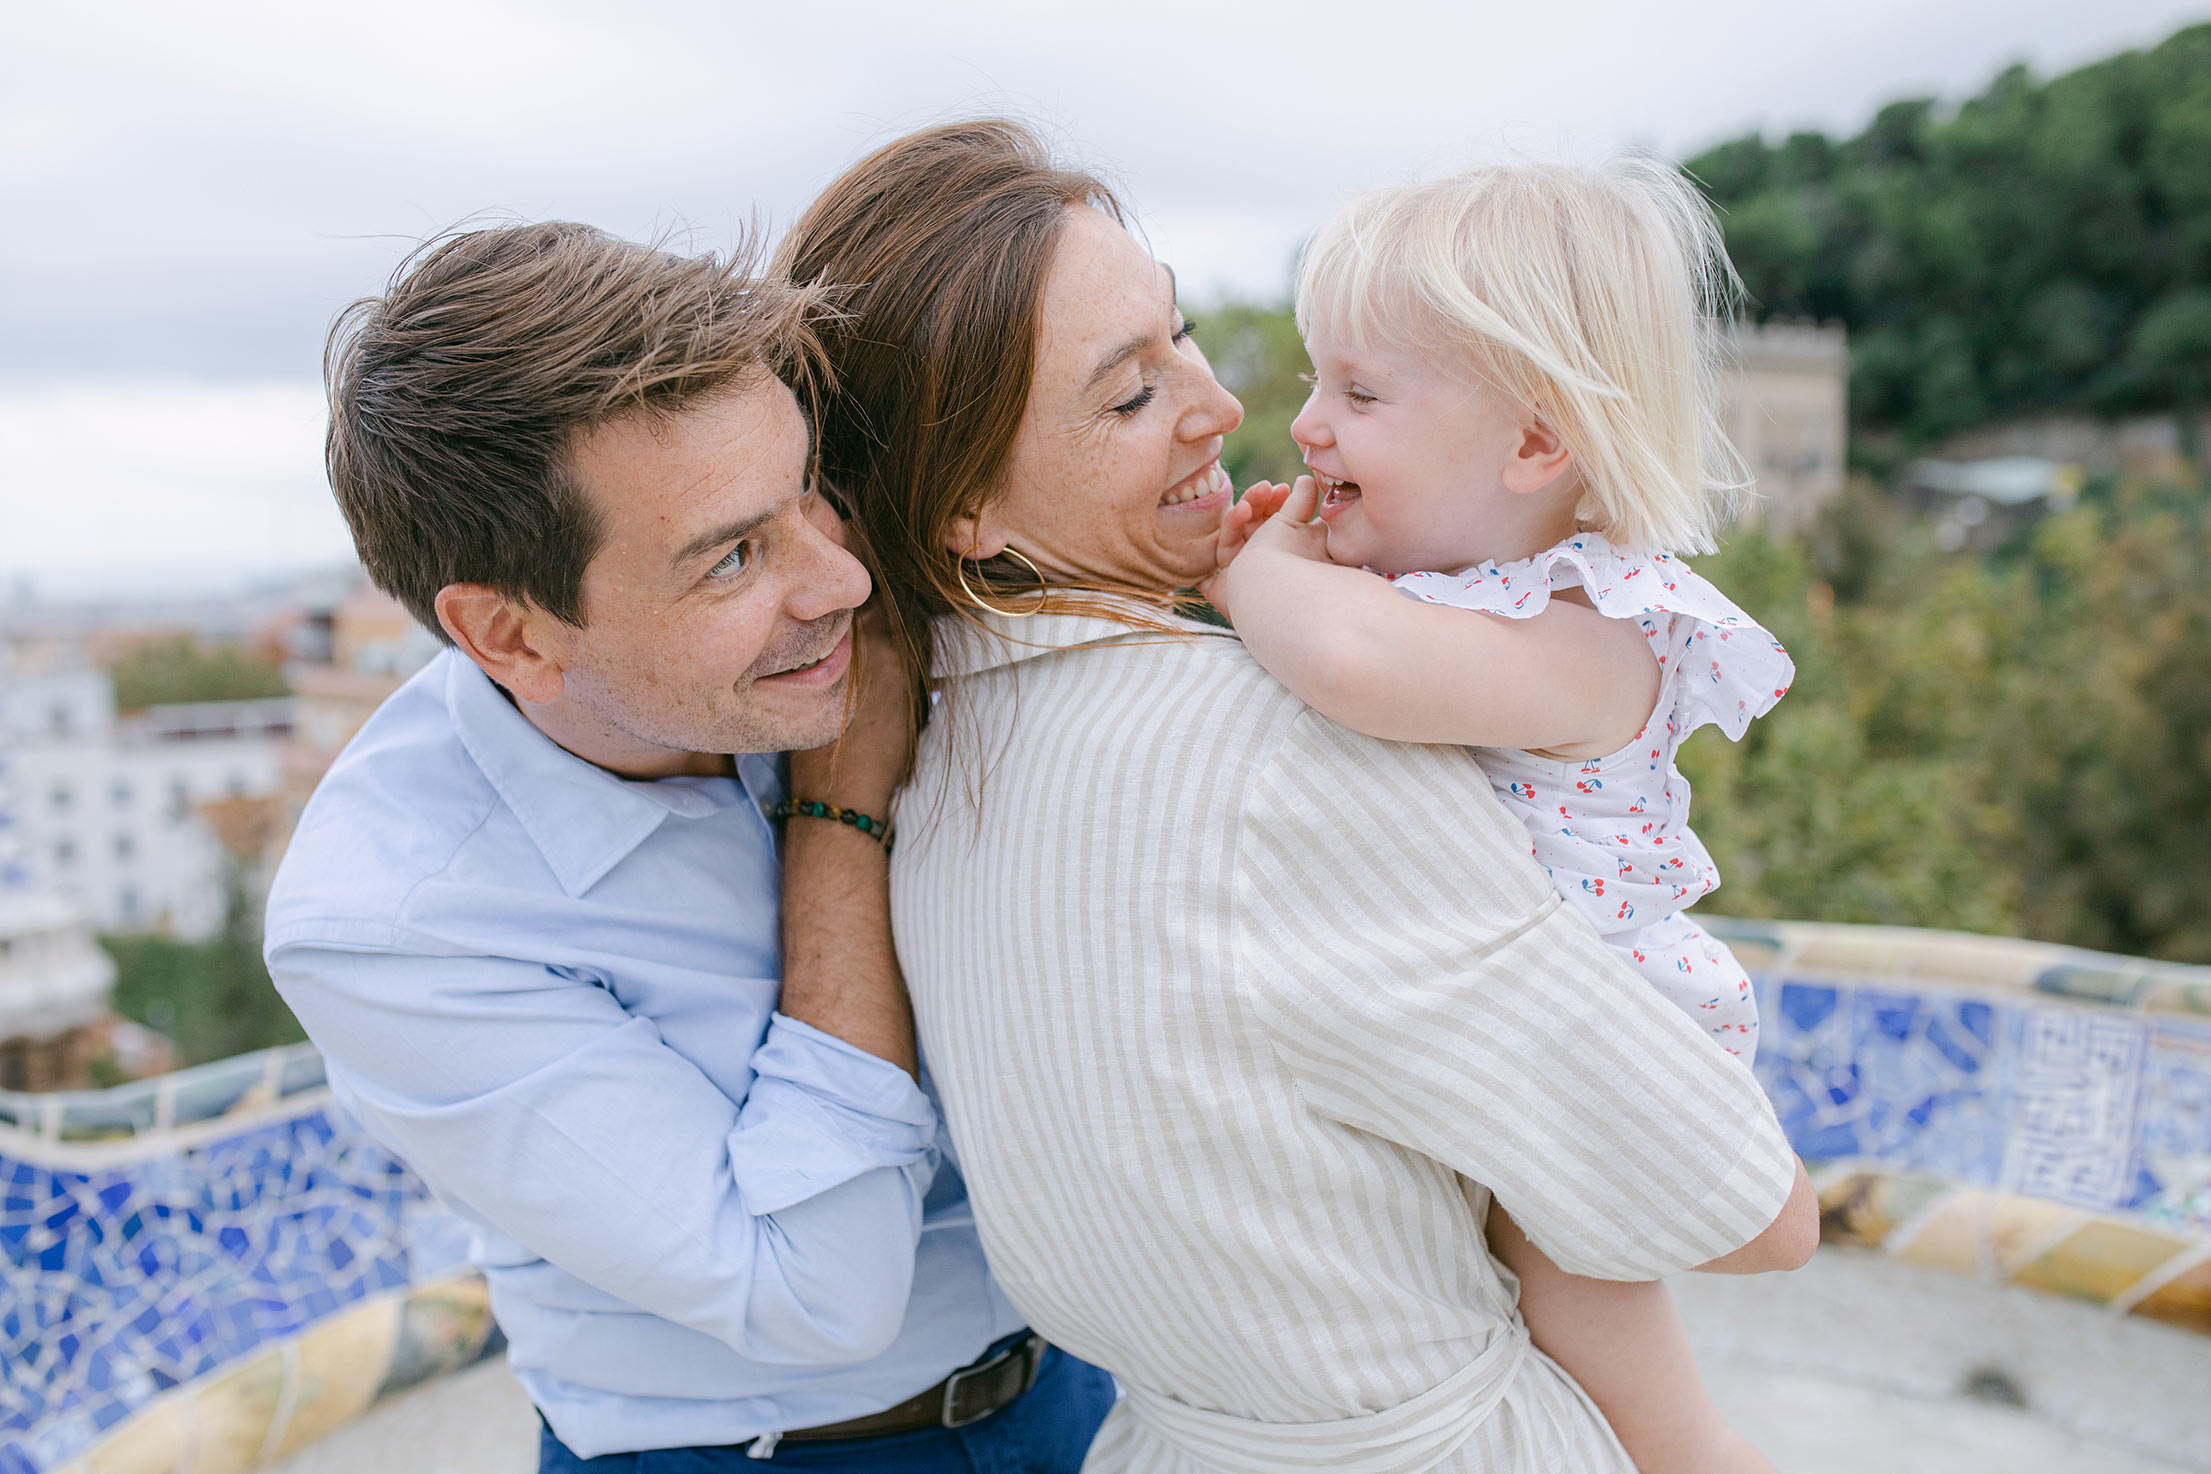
(201, 1274)
(2021, 1112)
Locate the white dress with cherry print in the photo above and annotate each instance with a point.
(1614, 831)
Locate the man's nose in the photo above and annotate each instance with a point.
(828, 581)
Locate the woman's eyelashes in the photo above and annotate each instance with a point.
(1145, 395)
(1135, 402)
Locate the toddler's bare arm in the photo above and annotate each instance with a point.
(1567, 681)
(1624, 1342)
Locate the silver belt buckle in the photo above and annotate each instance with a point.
(953, 1383)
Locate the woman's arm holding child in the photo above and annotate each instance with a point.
(1568, 680)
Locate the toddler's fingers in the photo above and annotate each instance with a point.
(1265, 498)
(1301, 504)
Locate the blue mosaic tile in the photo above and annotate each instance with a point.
(2094, 1107)
(118, 1285)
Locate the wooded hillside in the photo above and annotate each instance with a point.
(2043, 245)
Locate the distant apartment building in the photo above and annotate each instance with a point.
(347, 657)
(106, 813)
(54, 986)
(1786, 406)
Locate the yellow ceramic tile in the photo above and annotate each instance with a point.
(149, 1442)
(2186, 1302)
(341, 1364)
(2099, 1260)
(234, 1409)
(1974, 1232)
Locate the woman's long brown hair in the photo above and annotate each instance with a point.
(936, 249)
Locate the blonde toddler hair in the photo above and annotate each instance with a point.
(1596, 298)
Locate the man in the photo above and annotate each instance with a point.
(531, 915)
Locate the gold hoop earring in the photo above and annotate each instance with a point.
(959, 571)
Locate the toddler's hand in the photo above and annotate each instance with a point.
(1271, 521)
(1239, 518)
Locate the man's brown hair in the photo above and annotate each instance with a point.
(458, 397)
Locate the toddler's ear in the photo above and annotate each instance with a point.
(1539, 460)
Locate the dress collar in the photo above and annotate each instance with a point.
(583, 819)
(966, 648)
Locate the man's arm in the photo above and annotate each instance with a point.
(528, 1097)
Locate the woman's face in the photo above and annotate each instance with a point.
(1115, 476)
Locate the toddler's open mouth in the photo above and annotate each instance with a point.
(1335, 494)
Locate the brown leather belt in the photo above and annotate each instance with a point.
(969, 1395)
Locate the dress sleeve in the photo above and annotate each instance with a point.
(783, 1225)
(1423, 983)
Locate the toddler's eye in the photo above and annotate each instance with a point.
(1358, 396)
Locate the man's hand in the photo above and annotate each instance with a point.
(1272, 521)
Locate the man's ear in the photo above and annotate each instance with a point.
(505, 638)
(972, 535)
(1539, 460)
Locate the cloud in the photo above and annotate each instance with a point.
(161, 486)
(194, 191)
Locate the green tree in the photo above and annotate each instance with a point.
(182, 669)
(2039, 246)
(213, 998)
(1257, 354)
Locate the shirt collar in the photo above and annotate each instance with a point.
(990, 641)
(583, 819)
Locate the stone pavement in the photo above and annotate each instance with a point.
(1856, 1365)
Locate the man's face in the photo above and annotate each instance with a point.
(718, 610)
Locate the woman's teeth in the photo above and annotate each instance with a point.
(1204, 484)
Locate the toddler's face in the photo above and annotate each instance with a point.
(1411, 461)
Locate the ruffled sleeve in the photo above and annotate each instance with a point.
(1727, 670)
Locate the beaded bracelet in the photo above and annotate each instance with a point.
(809, 808)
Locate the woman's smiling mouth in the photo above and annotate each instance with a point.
(1203, 490)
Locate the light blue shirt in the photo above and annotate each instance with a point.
(553, 991)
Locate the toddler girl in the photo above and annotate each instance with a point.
(1511, 423)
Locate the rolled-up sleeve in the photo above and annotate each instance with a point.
(783, 1225)
(1422, 982)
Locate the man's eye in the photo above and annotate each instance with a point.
(732, 561)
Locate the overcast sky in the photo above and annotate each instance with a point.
(188, 193)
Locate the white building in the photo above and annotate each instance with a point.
(103, 811)
(1787, 408)
(54, 985)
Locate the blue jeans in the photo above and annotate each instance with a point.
(1046, 1431)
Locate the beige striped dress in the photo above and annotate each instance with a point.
(1239, 1018)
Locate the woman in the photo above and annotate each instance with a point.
(1239, 1018)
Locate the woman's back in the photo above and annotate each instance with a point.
(1232, 1010)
